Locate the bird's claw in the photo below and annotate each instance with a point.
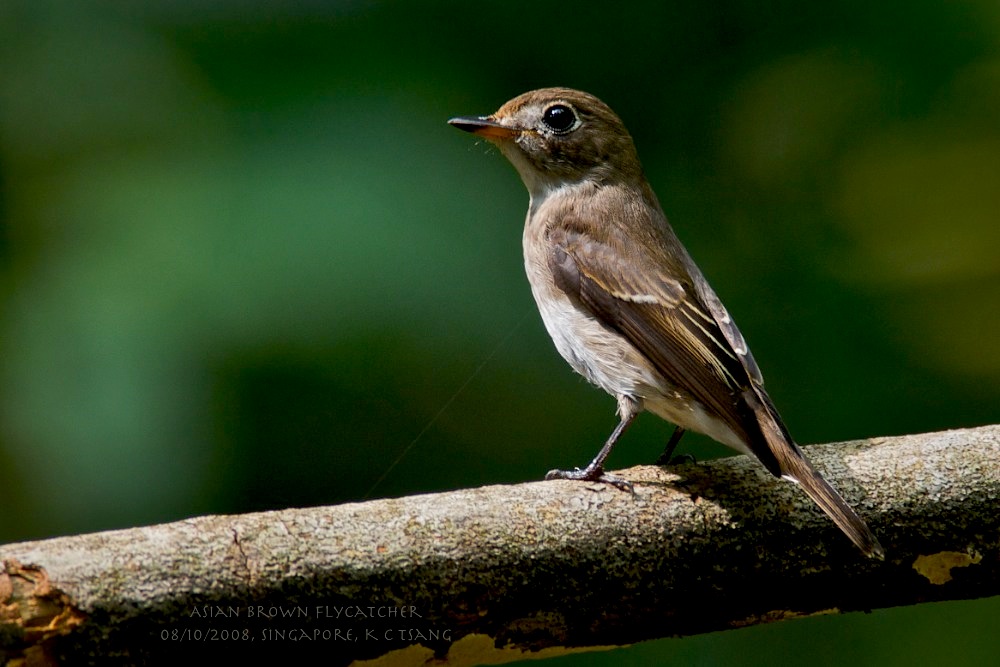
(680, 459)
(591, 475)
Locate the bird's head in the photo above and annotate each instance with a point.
(558, 136)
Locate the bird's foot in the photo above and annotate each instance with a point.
(665, 459)
(591, 474)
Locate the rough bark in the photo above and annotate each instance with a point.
(476, 575)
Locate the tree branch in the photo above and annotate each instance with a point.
(473, 573)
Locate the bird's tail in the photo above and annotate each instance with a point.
(836, 508)
(792, 464)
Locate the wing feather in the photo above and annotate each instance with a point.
(666, 309)
(668, 318)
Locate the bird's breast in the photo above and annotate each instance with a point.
(595, 351)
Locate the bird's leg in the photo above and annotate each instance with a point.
(595, 471)
(668, 451)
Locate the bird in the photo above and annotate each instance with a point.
(624, 303)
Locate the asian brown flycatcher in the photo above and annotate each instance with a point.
(623, 301)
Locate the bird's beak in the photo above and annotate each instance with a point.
(484, 126)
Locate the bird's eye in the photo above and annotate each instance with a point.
(560, 118)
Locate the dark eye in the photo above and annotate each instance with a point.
(559, 118)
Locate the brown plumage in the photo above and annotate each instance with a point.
(624, 303)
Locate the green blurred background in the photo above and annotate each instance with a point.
(244, 263)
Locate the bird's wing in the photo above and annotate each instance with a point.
(677, 323)
(728, 327)
(671, 315)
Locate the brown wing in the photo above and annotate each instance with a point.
(661, 303)
(659, 306)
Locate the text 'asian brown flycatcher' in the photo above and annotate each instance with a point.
(624, 302)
